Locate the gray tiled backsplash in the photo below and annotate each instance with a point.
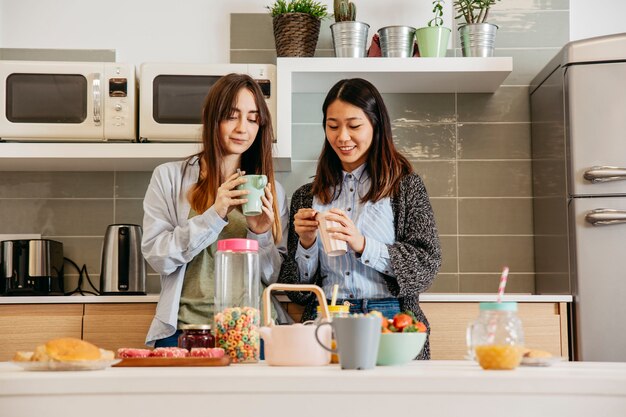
(472, 150)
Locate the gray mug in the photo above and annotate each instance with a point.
(357, 340)
(256, 187)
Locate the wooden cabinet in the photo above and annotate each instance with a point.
(545, 327)
(25, 326)
(112, 326)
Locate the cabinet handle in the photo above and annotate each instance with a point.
(605, 217)
(97, 103)
(605, 174)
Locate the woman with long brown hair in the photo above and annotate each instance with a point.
(380, 204)
(191, 204)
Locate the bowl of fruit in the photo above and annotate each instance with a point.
(402, 339)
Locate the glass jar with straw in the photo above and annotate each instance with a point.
(496, 338)
(335, 310)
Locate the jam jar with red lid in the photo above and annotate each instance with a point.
(196, 336)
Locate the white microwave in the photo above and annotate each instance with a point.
(171, 96)
(67, 101)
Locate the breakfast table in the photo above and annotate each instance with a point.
(427, 388)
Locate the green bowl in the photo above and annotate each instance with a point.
(399, 348)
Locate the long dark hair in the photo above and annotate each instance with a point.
(385, 165)
(218, 106)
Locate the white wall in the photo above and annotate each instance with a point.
(160, 30)
(589, 18)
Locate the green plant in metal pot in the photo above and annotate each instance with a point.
(349, 36)
(432, 40)
(345, 11)
(477, 35)
(296, 25)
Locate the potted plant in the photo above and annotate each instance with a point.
(296, 26)
(477, 36)
(432, 41)
(349, 36)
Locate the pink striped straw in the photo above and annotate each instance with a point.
(503, 278)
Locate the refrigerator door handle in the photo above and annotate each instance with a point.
(604, 217)
(605, 174)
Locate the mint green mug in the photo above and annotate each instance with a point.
(256, 187)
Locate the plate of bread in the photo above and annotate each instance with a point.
(65, 354)
(536, 357)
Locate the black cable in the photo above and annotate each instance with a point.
(79, 288)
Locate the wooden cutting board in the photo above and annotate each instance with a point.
(134, 362)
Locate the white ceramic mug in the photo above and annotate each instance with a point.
(332, 247)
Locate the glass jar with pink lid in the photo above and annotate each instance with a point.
(237, 299)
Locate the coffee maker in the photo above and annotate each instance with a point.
(31, 267)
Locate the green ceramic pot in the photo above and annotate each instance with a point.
(399, 348)
(432, 41)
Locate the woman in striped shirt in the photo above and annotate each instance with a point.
(381, 205)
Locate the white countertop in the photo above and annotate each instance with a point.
(153, 298)
(429, 388)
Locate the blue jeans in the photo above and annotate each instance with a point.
(171, 341)
(388, 307)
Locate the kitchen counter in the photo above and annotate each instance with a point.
(431, 388)
(153, 298)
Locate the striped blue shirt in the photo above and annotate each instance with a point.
(357, 277)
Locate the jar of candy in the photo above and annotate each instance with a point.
(237, 299)
(496, 338)
(335, 311)
(196, 336)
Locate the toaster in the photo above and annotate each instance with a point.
(31, 267)
(123, 267)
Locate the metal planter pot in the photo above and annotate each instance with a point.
(350, 39)
(397, 41)
(432, 41)
(478, 39)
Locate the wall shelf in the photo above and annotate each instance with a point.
(294, 75)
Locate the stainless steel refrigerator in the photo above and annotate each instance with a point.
(578, 112)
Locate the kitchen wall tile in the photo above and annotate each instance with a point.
(251, 31)
(495, 179)
(129, 211)
(507, 104)
(553, 220)
(257, 56)
(301, 173)
(153, 284)
(425, 141)
(488, 283)
(494, 141)
(528, 29)
(490, 253)
(80, 55)
(83, 251)
(62, 217)
(56, 184)
(420, 108)
(554, 254)
(526, 63)
(445, 283)
(439, 177)
(449, 257)
(131, 184)
(552, 284)
(495, 216)
(307, 108)
(445, 215)
(307, 141)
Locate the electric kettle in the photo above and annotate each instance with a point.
(123, 268)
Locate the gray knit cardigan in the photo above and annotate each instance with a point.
(415, 256)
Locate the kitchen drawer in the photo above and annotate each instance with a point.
(112, 326)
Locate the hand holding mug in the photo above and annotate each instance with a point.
(346, 231)
(264, 221)
(306, 226)
(228, 197)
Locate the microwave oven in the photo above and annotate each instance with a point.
(171, 96)
(67, 101)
